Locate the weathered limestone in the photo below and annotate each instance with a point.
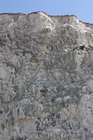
(46, 77)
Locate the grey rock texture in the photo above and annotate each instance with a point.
(46, 77)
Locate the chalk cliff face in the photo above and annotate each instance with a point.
(46, 77)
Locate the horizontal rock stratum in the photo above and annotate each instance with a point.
(46, 77)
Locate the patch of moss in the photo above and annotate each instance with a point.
(91, 47)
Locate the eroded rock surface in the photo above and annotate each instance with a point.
(46, 77)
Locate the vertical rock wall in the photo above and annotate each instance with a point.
(46, 77)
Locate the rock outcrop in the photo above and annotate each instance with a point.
(46, 77)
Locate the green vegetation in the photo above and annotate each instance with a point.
(91, 47)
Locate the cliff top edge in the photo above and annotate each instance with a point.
(51, 16)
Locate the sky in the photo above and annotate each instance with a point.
(82, 9)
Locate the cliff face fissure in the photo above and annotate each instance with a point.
(46, 77)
